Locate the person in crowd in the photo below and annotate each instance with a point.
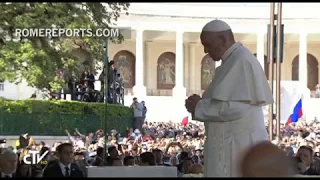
(186, 167)
(99, 158)
(144, 110)
(196, 169)
(77, 140)
(64, 167)
(158, 156)
(196, 159)
(305, 154)
(112, 73)
(46, 157)
(265, 160)
(182, 157)
(138, 114)
(116, 162)
(28, 170)
(174, 161)
(8, 164)
(23, 141)
(87, 77)
(90, 139)
(113, 154)
(79, 159)
(147, 159)
(128, 161)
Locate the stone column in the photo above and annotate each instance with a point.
(139, 90)
(192, 67)
(260, 48)
(179, 90)
(303, 71)
(186, 72)
(148, 63)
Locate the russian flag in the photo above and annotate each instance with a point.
(297, 113)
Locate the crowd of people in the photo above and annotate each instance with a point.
(156, 144)
(302, 134)
(167, 144)
(147, 144)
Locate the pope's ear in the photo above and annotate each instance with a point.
(223, 40)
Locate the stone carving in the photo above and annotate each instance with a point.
(166, 71)
(125, 64)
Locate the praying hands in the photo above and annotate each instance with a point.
(192, 102)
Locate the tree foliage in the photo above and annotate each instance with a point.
(37, 59)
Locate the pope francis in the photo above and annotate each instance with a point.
(231, 107)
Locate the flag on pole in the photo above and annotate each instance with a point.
(185, 121)
(297, 113)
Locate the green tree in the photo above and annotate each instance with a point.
(37, 59)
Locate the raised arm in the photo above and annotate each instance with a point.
(219, 111)
(69, 136)
(82, 135)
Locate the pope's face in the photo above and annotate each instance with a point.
(212, 45)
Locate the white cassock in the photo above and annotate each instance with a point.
(231, 109)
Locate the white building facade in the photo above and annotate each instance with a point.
(163, 62)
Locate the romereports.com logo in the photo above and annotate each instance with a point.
(62, 32)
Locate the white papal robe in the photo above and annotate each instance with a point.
(231, 109)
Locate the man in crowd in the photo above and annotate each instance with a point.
(305, 155)
(99, 160)
(64, 167)
(231, 106)
(158, 154)
(128, 161)
(88, 78)
(138, 114)
(266, 160)
(147, 159)
(8, 164)
(144, 111)
(112, 73)
(113, 154)
(183, 156)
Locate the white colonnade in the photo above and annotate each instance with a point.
(180, 90)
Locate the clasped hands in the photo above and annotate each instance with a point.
(192, 102)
